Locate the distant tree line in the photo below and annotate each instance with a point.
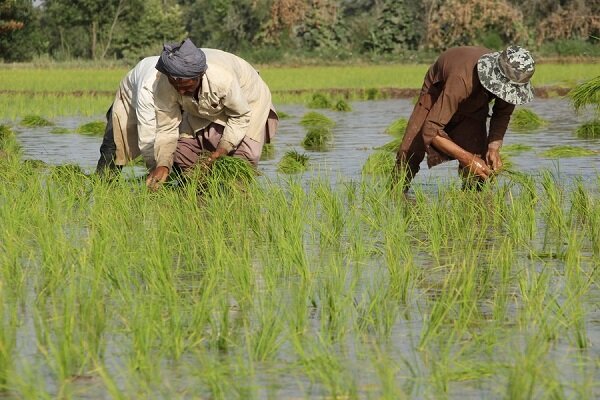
(270, 29)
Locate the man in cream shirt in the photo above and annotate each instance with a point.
(208, 100)
(131, 120)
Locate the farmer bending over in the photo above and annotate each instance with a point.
(131, 120)
(449, 120)
(208, 100)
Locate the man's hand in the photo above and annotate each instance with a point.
(157, 177)
(493, 159)
(477, 166)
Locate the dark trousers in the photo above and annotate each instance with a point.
(108, 148)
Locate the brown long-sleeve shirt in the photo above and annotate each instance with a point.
(455, 89)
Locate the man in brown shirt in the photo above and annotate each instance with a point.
(449, 120)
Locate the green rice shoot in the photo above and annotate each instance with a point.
(589, 130)
(94, 128)
(35, 121)
(319, 100)
(317, 138)
(397, 127)
(525, 120)
(60, 130)
(314, 119)
(515, 148)
(379, 163)
(293, 162)
(567, 151)
(391, 146)
(342, 105)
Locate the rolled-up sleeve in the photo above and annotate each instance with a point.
(501, 112)
(168, 118)
(442, 109)
(238, 114)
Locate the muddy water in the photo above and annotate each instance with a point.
(356, 133)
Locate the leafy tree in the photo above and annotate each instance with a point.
(19, 37)
(158, 21)
(467, 22)
(226, 24)
(397, 27)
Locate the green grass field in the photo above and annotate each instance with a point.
(86, 91)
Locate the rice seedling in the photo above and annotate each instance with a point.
(268, 152)
(283, 115)
(587, 93)
(391, 146)
(589, 130)
(293, 162)
(379, 163)
(314, 119)
(567, 151)
(317, 138)
(341, 105)
(525, 120)
(319, 100)
(517, 148)
(59, 130)
(94, 128)
(397, 127)
(34, 121)
(372, 94)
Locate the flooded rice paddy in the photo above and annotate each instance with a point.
(321, 285)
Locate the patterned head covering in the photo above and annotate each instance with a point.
(506, 74)
(182, 60)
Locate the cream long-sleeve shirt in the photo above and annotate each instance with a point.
(231, 94)
(137, 88)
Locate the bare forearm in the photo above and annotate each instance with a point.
(447, 146)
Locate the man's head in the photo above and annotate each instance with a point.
(183, 63)
(507, 74)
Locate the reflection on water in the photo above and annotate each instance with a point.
(355, 135)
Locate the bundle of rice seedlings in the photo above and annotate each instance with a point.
(317, 138)
(231, 170)
(397, 127)
(568, 151)
(293, 162)
(314, 119)
(379, 163)
(523, 119)
(319, 100)
(589, 130)
(95, 128)
(587, 93)
(224, 174)
(34, 121)
(342, 105)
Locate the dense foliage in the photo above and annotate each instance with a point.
(270, 30)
